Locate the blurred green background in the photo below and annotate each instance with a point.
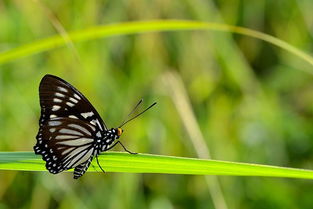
(251, 101)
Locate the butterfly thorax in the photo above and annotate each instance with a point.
(109, 136)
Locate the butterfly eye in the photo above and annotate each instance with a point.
(119, 131)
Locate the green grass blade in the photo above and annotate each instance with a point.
(143, 27)
(147, 163)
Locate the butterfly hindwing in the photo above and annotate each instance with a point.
(65, 143)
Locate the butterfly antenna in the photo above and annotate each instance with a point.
(137, 105)
(137, 114)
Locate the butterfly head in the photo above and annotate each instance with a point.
(119, 131)
(116, 132)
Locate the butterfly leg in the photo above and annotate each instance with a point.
(133, 153)
(99, 164)
(118, 142)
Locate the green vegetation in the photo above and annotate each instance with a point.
(219, 94)
(142, 27)
(145, 163)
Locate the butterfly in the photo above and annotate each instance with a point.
(71, 131)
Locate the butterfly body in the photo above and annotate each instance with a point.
(105, 143)
(71, 132)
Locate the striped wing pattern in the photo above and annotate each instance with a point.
(65, 143)
(70, 127)
(82, 168)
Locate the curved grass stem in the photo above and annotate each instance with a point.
(137, 27)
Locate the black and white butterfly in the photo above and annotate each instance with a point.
(71, 131)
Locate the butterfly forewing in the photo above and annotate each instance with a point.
(58, 98)
(69, 127)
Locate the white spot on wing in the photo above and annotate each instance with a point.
(53, 116)
(62, 89)
(70, 104)
(87, 114)
(52, 130)
(73, 100)
(98, 134)
(57, 100)
(77, 97)
(59, 94)
(72, 116)
(55, 107)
